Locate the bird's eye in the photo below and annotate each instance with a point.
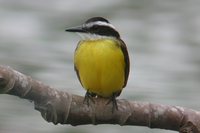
(95, 27)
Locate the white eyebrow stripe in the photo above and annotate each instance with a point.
(100, 23)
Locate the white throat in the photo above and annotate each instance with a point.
(88, 36)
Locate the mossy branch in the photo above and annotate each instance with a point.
(62, 107)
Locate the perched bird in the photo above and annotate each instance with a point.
(101, 59)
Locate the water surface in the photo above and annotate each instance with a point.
(162, 36)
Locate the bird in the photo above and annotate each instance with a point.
(101, 60)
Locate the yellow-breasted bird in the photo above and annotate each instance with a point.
(101, 59)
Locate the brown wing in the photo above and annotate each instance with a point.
(77, 73)
(76, 70)
(127, 62)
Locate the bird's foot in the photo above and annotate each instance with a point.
(114, 102)
(89, 97)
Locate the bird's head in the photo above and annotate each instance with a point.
(95, 28)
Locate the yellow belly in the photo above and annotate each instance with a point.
(101, 66)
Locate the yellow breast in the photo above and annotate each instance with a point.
(101, 66)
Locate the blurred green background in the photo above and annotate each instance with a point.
(163, 38)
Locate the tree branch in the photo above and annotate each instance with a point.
(61, 107)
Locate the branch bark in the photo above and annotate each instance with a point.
(61, 107)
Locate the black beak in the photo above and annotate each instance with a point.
(76, 29)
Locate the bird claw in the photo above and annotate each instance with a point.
(114, 102)
(89, 97)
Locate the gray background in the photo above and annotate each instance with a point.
(162, 36)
